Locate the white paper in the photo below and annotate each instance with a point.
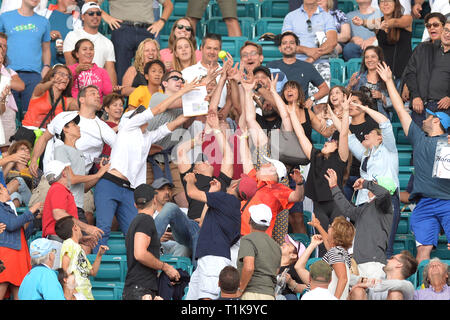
(194, 103)
(442, 163)
(4, 82)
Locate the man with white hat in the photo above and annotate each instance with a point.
(104, 56)
(259, 257)
(41, 283)
(59, 203)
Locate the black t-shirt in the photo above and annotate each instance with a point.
(316, 186)
(138, 274)
(196, 207)
(269, 125)
(294, 275)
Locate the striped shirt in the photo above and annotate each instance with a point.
(337, 254)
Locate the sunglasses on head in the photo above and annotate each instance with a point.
(434, 25)
(180, 27)
(176, 78)
(92, 13)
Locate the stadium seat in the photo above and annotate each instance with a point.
(183, 263)
(112, 268)
(415, 42)
(404, 158)
(179, 8)
(164, 41)
(217, 25)
(270, 50)
(272, 25)
(405, 242)
(168, 26)
(233, 45)
(337, 67)
(403, 179)
(311, 261)
(307, 217)
(274, 8)
(441, 250)
(351, 66)
(346, 5)
(418, 27)
(403, 224)
(244, 9)
(107, 291)
(301, 237)
(116, 246)
(335, 82)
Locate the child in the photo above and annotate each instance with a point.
(337, 241)
(73, 258)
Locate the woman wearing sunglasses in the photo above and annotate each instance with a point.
(181, 28)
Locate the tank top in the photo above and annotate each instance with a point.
(307, 126)
(38, 109)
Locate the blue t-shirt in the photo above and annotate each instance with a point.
(424, 150)
(360, 31)
(221, 226)
(41, 283)
(25, 38)
(58, 21)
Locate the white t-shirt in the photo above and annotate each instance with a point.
(9, 5)
(103, 47)
(318, 294)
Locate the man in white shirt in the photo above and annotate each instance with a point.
(114, 192)
(319, 278)
(10, 5)
(104, 56)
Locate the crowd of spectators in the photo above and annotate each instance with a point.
(189, 153)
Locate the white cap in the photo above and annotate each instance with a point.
(279, 166)
(55, 167)
(64, 118)
(261, 214)
(89, 5)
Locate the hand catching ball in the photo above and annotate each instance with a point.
(222, 54)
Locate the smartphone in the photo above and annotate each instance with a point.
(98, 160)
(168, 229)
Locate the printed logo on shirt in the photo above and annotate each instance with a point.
(25, 27)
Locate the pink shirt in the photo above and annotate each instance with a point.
(166, 55)
(94, 76)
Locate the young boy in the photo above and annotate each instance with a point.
(73, 257)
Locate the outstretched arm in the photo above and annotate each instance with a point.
(343, 134)
(302, 138)
(281, 106)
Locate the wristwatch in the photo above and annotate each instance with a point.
(313, 99)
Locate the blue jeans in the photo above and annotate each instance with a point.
(23, 194)
(348, 187)
(112, 199)
(184, 230)
(351, 50)
(31, 79)
(126, 40)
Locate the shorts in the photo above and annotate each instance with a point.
(176, 179)
(204, 281)
(427, 218)
(196, 8)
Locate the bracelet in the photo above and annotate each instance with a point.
(165, 21)
(293, 289)
(47, 65)
(301, 183)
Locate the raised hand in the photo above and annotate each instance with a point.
(384, 72)
(358, 185)
(331, 177)
(214, 185)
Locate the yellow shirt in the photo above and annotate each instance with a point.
(140, 96)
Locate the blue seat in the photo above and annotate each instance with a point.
(346, 5)
(112, 268)
(217, 25)
(116, 246)
(274, 8)
(270, 50)
(403, 179)
(403, 224)
(337, 68)
(183, 263)
(311, 261)
(441, 250)
(164, 41)
(415, 42)
(351, 66)
(244, 9)
(404, 158)
(272, 25)
(107, 290)
(418, 27)
(233, 45)
(405, 242)
(179, 8)
(307, 217)
(168, 26)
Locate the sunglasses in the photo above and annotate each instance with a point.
(92, 13)
(309, 25)
(181, 27)
(176, 78)
(434, 25)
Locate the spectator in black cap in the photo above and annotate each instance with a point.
(143, 248)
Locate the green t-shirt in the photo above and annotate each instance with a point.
(267, 255)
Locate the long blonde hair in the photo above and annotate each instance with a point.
(176, 60)
(139, 60)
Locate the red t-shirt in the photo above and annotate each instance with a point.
(58, 197)
(274, 195)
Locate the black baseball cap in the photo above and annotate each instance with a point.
(143, 194)
(161, 182)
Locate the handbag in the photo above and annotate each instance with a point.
(285, 144)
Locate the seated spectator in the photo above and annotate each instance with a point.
(361, 37)
(229, 283)
(41, 283)
(434, 25)
(69, 284)
(341, 22)
(73, 257)
(320, 278)
(143, 249)
(394, 33)
(85, 72)
(17, 174)
(148, 50)
(154, 71)
(181, 28)
(7, 101)
(395, 287)
(103, 56)
(58, 15)
(13, 244)
(435, 281)
(430, 194)
(51, 96)
(368, 77)
(183, 54)
(441, 6)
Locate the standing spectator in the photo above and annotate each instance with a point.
(134, 24)
(86, 72)
(148, 50)
(228, 283)
(8, 117)
(13, 244)
(73, 257)
(103, 56)
(432, 195)
(27, 33)
(10, 5)
(182, 28)
(143, 249)
(317, 31)
(436, 282)
(153, 71)
(427, 77)
(394, 32)
(361, 37)
(41, 283)
(259, 257)
(297, 70)
(183, 54)
(228, 8)
(395, 287)
(320, 277)
(341, 22)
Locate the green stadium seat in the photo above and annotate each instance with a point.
(406, 169)
(418, 27)
(244, 9)
(273, 25)
(415, 42)
(311, 261)
(401, 137)
(403, 224)
(179, 8)
(168, 26)
(270, 50)
(107, 291)
(441, 250)
(217, 25)
(404, 158)
(307, 217)
(337, 67)
(405, 242)
(346, 5)
(116, 246)
(112, 268)
(233, 45)
(335, 82)
(183, 263)
(301, 237)
(164, 41)
(274, 8)
(351, 66)
(404, 148)
(403, 179)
